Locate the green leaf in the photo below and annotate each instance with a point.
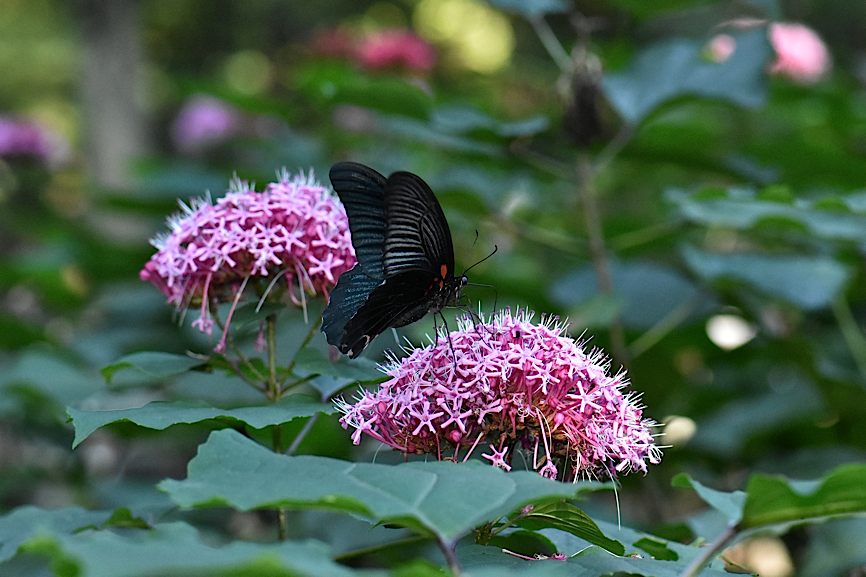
(835, 218)
(532, 8)
(808, 282)
(729, 504)
(568, 518)
(648, 292)
(463, 120)
(161, 415)
(656, 548)
(727, 430)
(149, 366)
(835, 548)
(176, 548)
(21, 524)
(50, 377)
(344, 370)
(440, 498)
(773, 500)
(677, 69)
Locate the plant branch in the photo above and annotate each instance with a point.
(598, 252)
(698, 563)
(308, 426)
(613, 148)
(661, 329)
(314, 326)
(551, 43)
(851, 332)
(450, 555)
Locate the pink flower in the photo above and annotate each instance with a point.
(294, 234)
(515, 385)
(23, 138)
(721, 47)
(204, 121)
(801, 55)
(395, 49)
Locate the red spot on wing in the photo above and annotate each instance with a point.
(443, 270)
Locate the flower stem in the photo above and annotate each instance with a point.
(598, 251)
(698, 563)
(274, 393)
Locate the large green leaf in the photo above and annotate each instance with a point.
(177, 549)
(728, 504)
(532, 8)
(148, 366)
(162, 415)
(21, 524)
(773, 500)
(809, 282)
(439, 498)
(677, 69)
(492, 562)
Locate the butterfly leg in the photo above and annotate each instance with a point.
(448, 335)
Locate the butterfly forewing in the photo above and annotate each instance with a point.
(362, 192)
(417, 236)
(404, 251)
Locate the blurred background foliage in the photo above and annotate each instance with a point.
(730, 208)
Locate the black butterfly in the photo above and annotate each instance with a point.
(405, 257)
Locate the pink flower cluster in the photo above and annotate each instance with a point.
(295, 230)
(23, 138)
(204, 121)
(801, 55)
(516, 386)
(385, 49)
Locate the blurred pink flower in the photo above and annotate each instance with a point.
(24, 138)
(204, 121)
(801, 55)
(295, 231)
(721, 47)
(511, 384)
(333, 43)
(395, 49)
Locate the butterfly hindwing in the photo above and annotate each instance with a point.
(350, 294)
(398, 301)
(417, 234)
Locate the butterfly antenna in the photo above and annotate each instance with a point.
(476, 238)
(495, 249)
